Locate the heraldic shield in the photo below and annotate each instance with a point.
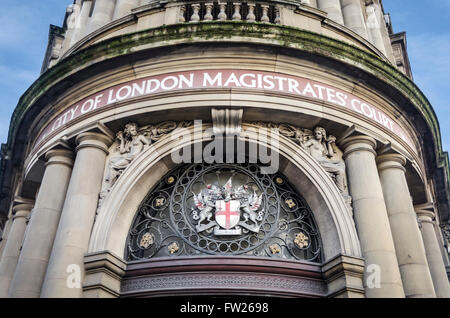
(227, 215)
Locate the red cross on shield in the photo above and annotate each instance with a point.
(228, 213)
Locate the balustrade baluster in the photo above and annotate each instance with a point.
(237, 8)
(251, 12)
(208, 15)
(195, 10)
(277, 15)
(265, 10)
(181, 18)
(222, 16)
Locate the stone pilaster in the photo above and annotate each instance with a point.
(382, 276)
(5, 235)
(433, 253)
(333, 8)
(102, 14)
(408, 242)
(65, 270)
(123, 7)
(11, 252)
(374, 28)
(81, 29)
(353, 17)
(38, 244)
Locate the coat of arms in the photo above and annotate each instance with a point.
(227, 210)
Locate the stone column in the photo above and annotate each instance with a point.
(433, 252)
(5, 235)
(38, 244)
(353, 17)
(65, 269)
(81, 28)
(382, 277)
(102, 14)
(12, 248)
(374, 28)
(333, 8)
(408, 243)
(123, 7)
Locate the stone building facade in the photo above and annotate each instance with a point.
(206, 147)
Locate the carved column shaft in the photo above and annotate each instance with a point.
(123, 7)
(333, 8)
(372, 222)
(409, 247)
(374, 28)
(77, 219)
(353, 17)
(82, 28)
(102, 14)
(12, 249)
(433, 252)
(38, 244)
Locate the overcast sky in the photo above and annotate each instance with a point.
(24, 28)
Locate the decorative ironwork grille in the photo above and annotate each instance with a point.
(224, 209)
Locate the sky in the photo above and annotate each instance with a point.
(24, 29)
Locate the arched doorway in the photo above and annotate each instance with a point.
(290, 271)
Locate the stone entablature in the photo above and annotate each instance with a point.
(221, 79)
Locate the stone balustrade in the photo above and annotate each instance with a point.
(302, 14)
(233, 11)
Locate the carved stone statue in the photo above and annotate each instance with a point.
(320, 148)
(131, 144)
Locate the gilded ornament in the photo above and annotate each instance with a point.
(290, 203)
(301, 240)
(275, 249)
(147, 240)
(160, 202)
(170, 180)
(173, 247)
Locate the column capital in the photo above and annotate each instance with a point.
(358, 143)
(94, 140)
(59, 156)
(425, 216)
(22, 210)
(391, 161)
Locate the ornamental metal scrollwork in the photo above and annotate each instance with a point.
(224, 209)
